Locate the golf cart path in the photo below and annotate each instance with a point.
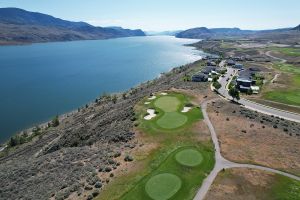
(268, 53)
(222, 163)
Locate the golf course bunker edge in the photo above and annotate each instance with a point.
(189, 157)
(163, 186)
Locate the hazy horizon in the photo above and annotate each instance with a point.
(170, 14)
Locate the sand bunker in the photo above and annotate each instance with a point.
(147, 102)
(151, 114)
(164, 94)
(151, 98)
(186, 109)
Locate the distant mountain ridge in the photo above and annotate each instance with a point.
(297, 28)
(206, 33)
(18, 26)
(169, 33)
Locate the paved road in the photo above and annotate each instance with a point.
(222, 163)
(253, 105)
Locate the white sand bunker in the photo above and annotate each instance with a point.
(164, 93)
(147, 102)
(186, 109)
(151, 114)
(151, 98)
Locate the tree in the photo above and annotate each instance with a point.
(217, 85)
(234, 93)
(114, 99)
(55, 121)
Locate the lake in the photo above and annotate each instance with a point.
(40, 81)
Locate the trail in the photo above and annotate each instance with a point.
(222, 163)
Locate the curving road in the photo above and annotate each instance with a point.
(222, 163)
(253, 105)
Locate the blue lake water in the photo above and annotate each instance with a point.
(40, 81)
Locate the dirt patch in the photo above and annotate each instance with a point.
(240, 184)
(249, 137)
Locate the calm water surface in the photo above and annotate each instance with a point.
(40, 81)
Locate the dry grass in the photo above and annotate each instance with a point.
(249, 141)
(240, 184)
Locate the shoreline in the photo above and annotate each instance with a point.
(44, 124)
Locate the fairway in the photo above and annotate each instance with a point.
(172, 120)
(189, 157)
(167, 103)
(163, 186)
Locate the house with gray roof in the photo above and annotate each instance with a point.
(200, 77)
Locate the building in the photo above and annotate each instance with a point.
(208, 69)
(211, 63)
(199, 77)
(230, 62)
(245, 81)
(238, 66)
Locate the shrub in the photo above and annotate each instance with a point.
(98, 184)
(114, 99)
(55, 121)
(95, 193)
(107, 169)
(128, 158)
(90, 197)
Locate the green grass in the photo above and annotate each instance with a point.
(169, 117)
(189, 157)
(287, 68)
(285, 188)
(287, 96)
(168, 103)
(191, 178)
(287, 51)
(172, 120)
(163, 186)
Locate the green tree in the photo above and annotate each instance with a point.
(55, 121)
(234, 93)
(217, 85)
(114, 99)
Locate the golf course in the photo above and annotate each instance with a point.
(179, 174)
(180, 160)
(178, 177)
(169, 115)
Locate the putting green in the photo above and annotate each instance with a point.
(189, 157)
(163, 186)
(167, 103)
(171, 120)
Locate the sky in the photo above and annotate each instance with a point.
(161, 15)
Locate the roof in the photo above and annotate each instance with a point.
(244, 80)
(245, 74)
(254, 69)
(208, 69)
(200, 75)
